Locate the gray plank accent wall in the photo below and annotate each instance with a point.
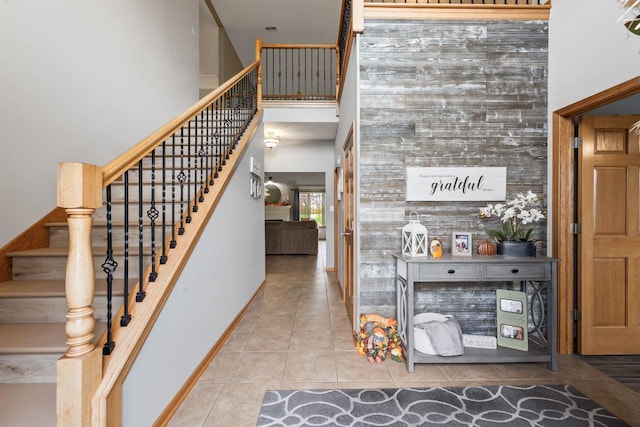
(445, 93)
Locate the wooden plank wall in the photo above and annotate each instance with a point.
(445, 93)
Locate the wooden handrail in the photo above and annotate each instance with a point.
(298, 46)
(114, 169)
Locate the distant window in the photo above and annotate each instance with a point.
(312, 206)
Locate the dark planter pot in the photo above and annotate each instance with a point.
(516, 249)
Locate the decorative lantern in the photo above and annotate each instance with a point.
(414, 237)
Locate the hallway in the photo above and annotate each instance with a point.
(297, 335)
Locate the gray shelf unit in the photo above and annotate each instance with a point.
(540, 272)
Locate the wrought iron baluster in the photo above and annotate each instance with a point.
(299, 74)
(181, 178)
(152, 214)
(306, 70)
(163, 257)
(196, 158)
(172, 244)
(217, 135)
(202, 158)
(126, 316)
(210, 145)
(141, 293)
(318, 71)
(109, 266)
(277, 67)
(188, 210)
(235, 128)
(225, 128)
(245, 102)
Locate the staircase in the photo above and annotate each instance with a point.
(33, 308)
(145, 203)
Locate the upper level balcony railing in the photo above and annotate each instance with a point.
(487, 2)
(298, 72)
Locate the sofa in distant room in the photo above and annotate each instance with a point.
(291, 237)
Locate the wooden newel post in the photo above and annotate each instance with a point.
(80, 369)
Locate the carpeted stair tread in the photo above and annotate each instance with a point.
(133, 223)
(32, 338)
(52, 288)
(36, 338)
(62, 251)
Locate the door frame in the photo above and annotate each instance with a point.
(350, 146)
(563, 199)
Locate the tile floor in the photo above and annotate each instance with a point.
(297, 335)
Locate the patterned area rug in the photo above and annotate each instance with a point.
(541, 405)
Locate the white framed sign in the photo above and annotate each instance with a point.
(456, 184)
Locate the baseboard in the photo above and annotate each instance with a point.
(182, 394)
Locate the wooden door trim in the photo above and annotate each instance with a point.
(336, 218)
(563, 203)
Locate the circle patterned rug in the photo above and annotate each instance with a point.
(539, 405)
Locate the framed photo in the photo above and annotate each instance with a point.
(511, 306)
(512, 332)
(511, 319)
(461, 243)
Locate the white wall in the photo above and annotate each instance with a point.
(85, 81)
(588, 50)
(209, 51)
(224, 271)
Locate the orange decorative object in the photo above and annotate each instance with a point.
(486, 248)
(382, 321)
(435, 248)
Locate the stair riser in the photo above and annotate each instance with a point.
(59, 236)
(28, 368)
(117, 193)
(193, 156)
(46, 268)
(117, 212)
(52, 309)
(180, 162)
(168, 178)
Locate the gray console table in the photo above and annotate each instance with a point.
(539, 272)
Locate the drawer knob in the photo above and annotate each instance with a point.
(515, 271)
(451, 271)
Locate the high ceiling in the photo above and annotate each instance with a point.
(297, 21)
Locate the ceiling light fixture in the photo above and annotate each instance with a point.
(271, 140)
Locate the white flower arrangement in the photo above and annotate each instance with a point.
(523, 209)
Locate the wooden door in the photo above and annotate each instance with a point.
(609, 244)
(348, 226)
